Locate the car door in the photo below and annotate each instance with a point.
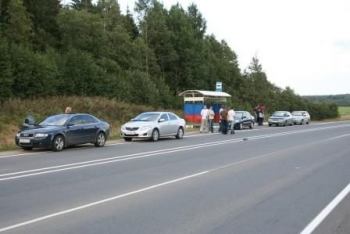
(245, 119)
(75, 132)
(174, 123)
(90, 128)
(164, 126)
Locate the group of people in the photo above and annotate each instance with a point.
(226, 121)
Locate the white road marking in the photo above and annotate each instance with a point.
(326, 211)
(15, 155)
(78, 165)
(88, 205)
(187, 136)
(323, 214)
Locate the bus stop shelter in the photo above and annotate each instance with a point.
(194, 100)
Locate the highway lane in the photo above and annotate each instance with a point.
(263, 185)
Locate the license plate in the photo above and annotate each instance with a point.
(24, 140)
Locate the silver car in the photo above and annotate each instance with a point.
(281, 118)
(301, 117)
(153, 125)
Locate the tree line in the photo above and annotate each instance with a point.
(90, 48)
(339, 99)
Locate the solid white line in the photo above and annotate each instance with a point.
(63, 212)
(110, 161)
(15, 155)
(66, 167)
(326, 211)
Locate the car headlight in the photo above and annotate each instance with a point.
(123, 128)
(40, 135)
(236, 120)
(18, 134)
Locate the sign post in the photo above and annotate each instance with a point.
(218, 86)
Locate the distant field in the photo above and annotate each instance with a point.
(344, 110)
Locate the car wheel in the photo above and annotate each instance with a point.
(100, 140)
(270, 125)
(27, 148)
(155, 135)
(251, 126)
(180, 133)
(302, 122)
(58, 143)
(127, 138)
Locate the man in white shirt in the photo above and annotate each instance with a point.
(204, 121)
(231, 120)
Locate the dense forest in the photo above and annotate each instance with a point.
(340, 99)
(89, 48)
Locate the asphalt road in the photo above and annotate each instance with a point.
(266, 180)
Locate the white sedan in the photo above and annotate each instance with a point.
(153, 125)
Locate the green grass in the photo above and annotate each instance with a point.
(344, 110)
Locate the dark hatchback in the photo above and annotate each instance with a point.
(59, 131)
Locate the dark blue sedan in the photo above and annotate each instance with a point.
(59, 131)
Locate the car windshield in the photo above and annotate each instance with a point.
(238, 115)
(147, 117)
(297, 113)
(279, 114)
(55, 120)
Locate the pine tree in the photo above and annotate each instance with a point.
(18, 27)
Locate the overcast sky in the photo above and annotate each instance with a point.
(304, 44)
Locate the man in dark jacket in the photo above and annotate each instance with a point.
(224, 121)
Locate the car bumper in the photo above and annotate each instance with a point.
(136, 134)
(276, 122)
(32, 142)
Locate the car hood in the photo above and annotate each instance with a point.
(277, 118)
(42, 129)
(135, 124)
(298, 117)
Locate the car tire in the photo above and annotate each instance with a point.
(127, 139)
(27, 148)
(100, 140)
(58, 143)
(302, 122)
(251, 126)
(155, 135)
(270, 125)
(180, 133)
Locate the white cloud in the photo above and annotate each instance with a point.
(304, 44)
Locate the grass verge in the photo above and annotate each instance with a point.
(14, 111)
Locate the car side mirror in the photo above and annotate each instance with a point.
(70, 125)
(161, 120)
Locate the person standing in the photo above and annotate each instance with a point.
(220, 117)
(231, 120)
(204, 119)
(224, 121)
(68, 110)
(211, 119)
